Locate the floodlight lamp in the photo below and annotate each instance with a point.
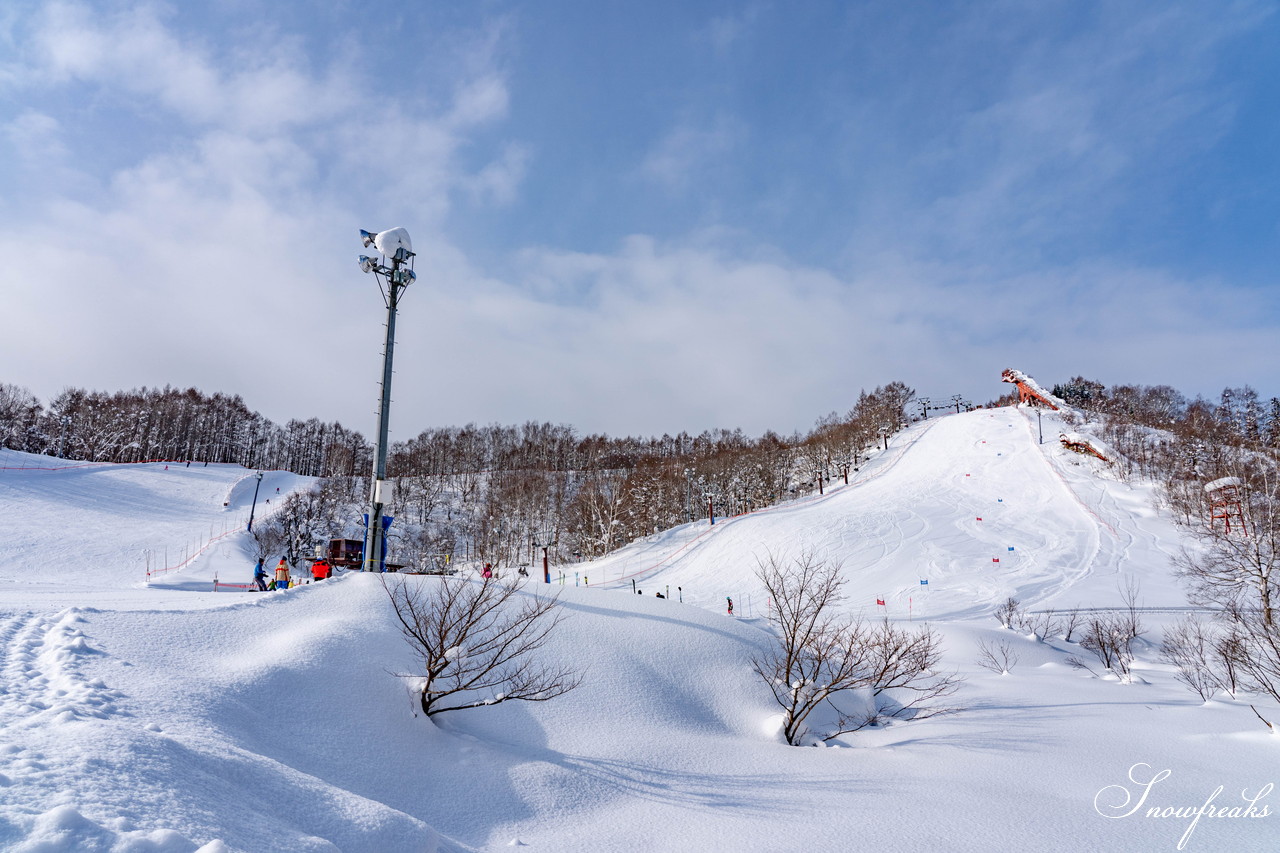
(367, 238)
(367, 263)
(406, 277)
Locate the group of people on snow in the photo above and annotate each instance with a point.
(320, 570)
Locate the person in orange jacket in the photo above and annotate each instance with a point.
(282, 574)
(320, 569)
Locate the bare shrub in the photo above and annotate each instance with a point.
(820, 654)
(477, 641)
(1070, 621)
(1010, 614)
(1255, 641)
(1191, 647)
(1130, 592)
(1110, 637)
(999, 657)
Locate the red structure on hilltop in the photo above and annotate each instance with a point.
(1028, 390)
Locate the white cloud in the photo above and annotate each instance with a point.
(224, 258)
(686, 152)
(134, 51)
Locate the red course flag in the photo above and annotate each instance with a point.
(880, 601)
(995, 559)
(979, 519)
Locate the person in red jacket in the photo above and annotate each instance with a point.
(320, 569)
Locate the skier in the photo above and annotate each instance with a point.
(488, 571)
(730, 600)
(282, 574)
(320, 569)
(260, 576)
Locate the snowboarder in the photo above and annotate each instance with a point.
(730, 600)
(282, 574)
(260, 576)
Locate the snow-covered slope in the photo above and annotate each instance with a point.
(148, 719)
(971, 503)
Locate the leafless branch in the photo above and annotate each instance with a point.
(998, 657)
(478, 641)
(820, 656)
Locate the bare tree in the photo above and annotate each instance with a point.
(1234, 569)
(1190, 645)
(1257, 654)
(1010, 614)
(1070, 621)
(998, 657)
(478, 641)
(1110, 637)
(820, 654)
(1130, 592)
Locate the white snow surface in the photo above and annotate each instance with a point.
(171, 718)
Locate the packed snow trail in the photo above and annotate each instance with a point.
(970, 503)
(98, 526)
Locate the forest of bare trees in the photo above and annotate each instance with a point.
(1218, 465)
(501, 494)
(173, 425)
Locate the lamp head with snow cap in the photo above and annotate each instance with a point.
(394, 244)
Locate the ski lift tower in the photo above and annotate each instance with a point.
(1226, 502)
(394, 272)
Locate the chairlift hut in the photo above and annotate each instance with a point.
(1226, 502)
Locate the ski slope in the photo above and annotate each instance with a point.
(971, 503)
(166, 718)
(75, 532)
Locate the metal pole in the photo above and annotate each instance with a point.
(254, 508)
(688, 501)
(1039, 424)
(373, 560)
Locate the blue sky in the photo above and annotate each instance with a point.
(638, 218)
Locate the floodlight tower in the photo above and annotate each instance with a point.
(394, 246)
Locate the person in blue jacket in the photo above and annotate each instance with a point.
(260, 577)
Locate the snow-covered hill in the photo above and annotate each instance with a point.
(169, 719)
(950, 498)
